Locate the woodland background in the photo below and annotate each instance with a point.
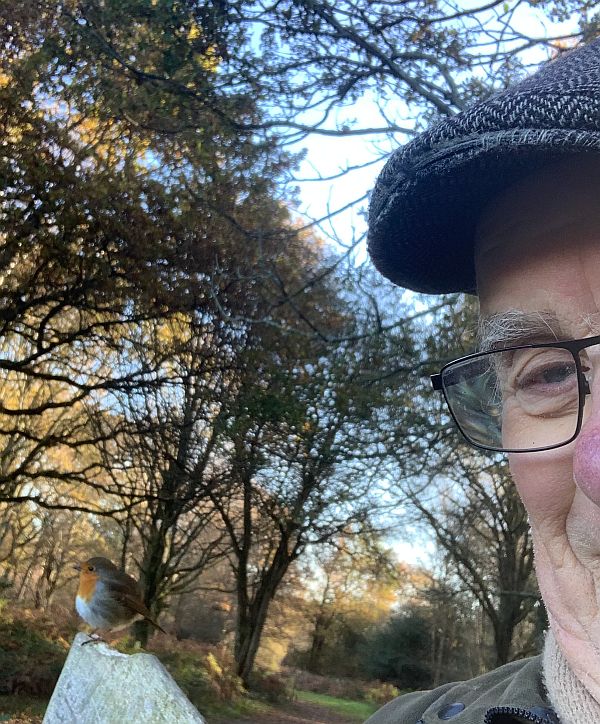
(219, 393)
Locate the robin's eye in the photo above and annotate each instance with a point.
(90, 568)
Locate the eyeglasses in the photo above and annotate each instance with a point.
(519, 399)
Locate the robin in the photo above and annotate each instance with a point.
(107, 598)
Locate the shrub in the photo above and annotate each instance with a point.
(395, 652)
(32, 654)
(204, 674)
(275, 688)
(381, 693)
(223, 678)
(342, 688)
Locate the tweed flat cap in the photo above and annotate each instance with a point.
(430, 194)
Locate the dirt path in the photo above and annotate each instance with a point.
(299, 712)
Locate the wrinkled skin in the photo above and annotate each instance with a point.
(538, 249)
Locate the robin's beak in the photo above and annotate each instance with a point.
(77, 566)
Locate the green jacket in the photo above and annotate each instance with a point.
(512, 694)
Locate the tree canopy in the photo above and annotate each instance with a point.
(194, 378)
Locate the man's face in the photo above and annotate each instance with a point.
(538, 252)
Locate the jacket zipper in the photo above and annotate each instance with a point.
(513, 711)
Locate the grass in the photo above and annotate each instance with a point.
(359, 710)
(250, 708)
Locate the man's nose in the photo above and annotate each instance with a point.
(586, 455)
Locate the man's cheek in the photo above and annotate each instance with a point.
(545, 483)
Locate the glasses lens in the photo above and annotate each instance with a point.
(518, 399)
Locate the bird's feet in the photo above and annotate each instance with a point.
(94, 638)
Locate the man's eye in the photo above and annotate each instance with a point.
(547, 376)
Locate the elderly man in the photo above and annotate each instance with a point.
(503, 201)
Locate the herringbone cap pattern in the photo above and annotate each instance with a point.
(427, 200)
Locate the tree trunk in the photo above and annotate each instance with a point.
(152, 567)
(317, 644)
(251, 619)
(250, 638)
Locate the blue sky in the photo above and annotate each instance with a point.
(329, 155)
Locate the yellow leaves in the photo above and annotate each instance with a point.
(213, 665)
(176, 329)
(194, 32)
(4, 80)
(16, 133)
(209, 60)
(106, 140)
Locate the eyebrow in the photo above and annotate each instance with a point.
(514, 327)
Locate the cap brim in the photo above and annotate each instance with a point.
(423, 228)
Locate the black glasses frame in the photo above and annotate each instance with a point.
(574, 346)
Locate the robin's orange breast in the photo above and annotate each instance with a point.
(87, 585)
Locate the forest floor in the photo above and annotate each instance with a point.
(29, 710)
(308, 708)
(298, 712)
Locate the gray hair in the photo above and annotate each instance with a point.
(514, 327)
